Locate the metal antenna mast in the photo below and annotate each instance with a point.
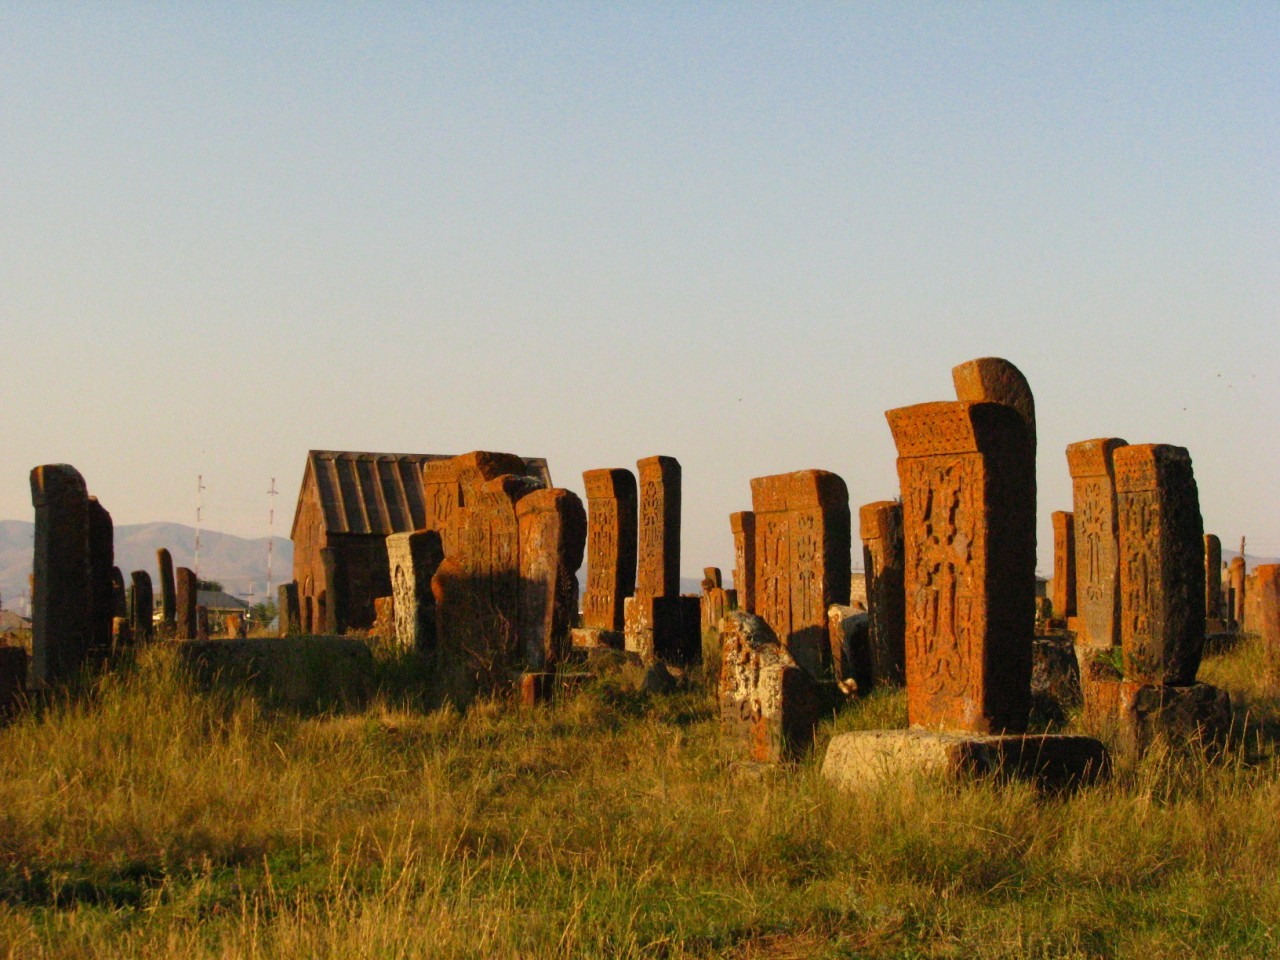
(271, 532)
(199, 490)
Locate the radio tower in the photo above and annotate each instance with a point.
(271, 535)
(199, 490)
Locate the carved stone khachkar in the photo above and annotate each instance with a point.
(716, 600)
(1161, 564)
(658, 622)
(611, 547)
(1096, 524)
(802, 559)
(450, 483)
(1212, 577)
(188, 595)
(743, 525)
(141, 607)
(413, 559)
(967, 471)
(769, 705)
(883, 560)
(1236, 577)
(1063, 588)
(61, 631)
(553, 536)
(1267, 587)
(168, 594)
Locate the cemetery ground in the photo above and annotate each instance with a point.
(152, 818)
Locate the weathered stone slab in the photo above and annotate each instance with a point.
(1096, 525)
(119, 596)
(966, 472)
(1212, 577)
(553, 536)
(1063, 588)
(664, 628)
(288, 607)
(384, 619)
(1055, 678)
(658, 547)
(769, 705)
(101, 565)
(743, 525)
(996, 380)
(592, 638)
(168, 594)
(413, 559)
(1267, 626)
(1236, 577)
(848, 630)
(61, 631)
(716, 601)
(611, 546)
(883, 562)
(121, 635)
(448, 484)
(1161, 542)
(1132, 716)
(803, 537)
(187, 593)
(141, 607)
(866, 758)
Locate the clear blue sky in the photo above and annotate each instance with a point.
(730, 233)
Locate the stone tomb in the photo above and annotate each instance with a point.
(883, 559)
(413, 559)
(802, 560)
(611, 552)
(1096, 524)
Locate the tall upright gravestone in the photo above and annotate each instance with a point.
(168, 593)
(611, 547)
(187, 595)
(1236, 575)
(743, 525)
(1063, 591)
(967, 473)
(289, 609)
(1096, 524)
(803, 535)
(101, 584)
(61, 631)
(1212, 577)
(141, 607)
(883, 564)
(553, 535)
(413, 559)
(1161, 564)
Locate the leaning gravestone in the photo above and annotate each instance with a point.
(61, 631)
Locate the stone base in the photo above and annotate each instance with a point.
(13, 679)
(538, 688)
(591, 638)
(1055, 677)
(664, 628)
(1050, 760)
(1132, 716)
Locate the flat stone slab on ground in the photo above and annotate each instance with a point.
(1051, 760)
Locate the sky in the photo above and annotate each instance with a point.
(734, 234)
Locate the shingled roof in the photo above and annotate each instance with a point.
(377, 493)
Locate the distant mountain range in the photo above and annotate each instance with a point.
(240, 565)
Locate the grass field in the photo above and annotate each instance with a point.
(149, 819)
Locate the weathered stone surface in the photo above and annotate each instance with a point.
(769, 705)
(1131, 716)
(996, 380)
(658, 548)
(1055, 678)
(553, 536)
(711, 578)
(302, 673)
(611, 546)
(1161, 542)
(883, 563)
(1236, 577)
(186, 593)
(1267, 621)
(141, 607)
(848, 631)
(168, 594)
(1212, 577)
(1063, 590)
(384, 619)
(413, 559)
(664, 628)
(330, 602)
(61, 630)
(449, 484)
(288, 607)
(13, 679)
(743, 525)
(966, 472)
(591, 638)
(101, 560)
(1096, 525)
(119, 596)
(716, 602)
(803, 537)
(865, 758)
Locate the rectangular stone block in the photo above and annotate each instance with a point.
(803, 534)
(1267, 590)
(611, 546)
(1161, 541)
(1212, 577)
(968, 502)
(101, 566)
(1096, 530)
(553, 536)
(187, 590)
(61, 631)
(743, 525)
(413, 559)
(658, 547)
(883, 560)
(287, 606)
(1063, 589)
(1131, 716)
(664, 628)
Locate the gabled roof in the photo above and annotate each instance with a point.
(220, 600)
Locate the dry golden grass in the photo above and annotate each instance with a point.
(152, 820)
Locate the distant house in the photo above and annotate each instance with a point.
(349, 503)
